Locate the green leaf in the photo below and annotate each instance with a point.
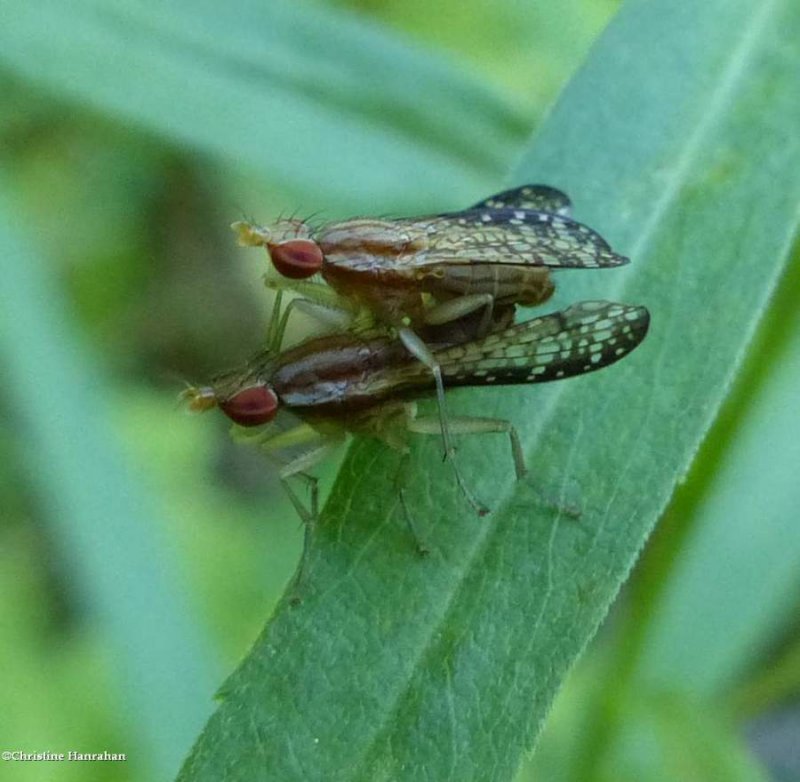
(678, 141)
(733, 585)
(313, 98)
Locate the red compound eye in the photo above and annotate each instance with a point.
(296, 258)
(252, 406)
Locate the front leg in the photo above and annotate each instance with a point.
(336, 312)
(297, 467)
(316, 299)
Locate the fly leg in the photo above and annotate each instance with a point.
(423, 353)
(308, 516)
(457, 308)
(463, 425)
(315, 299)
(441, 315)
(297, 467)
(309, 520)
(401, 483)
(332, 319)
(433, 426)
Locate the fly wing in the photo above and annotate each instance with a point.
(537, 198)
(508, 235)
(505, 235)
(491, 232)
(583, 338)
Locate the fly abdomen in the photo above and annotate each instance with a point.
(525, 285)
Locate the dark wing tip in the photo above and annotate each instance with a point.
(638, 318)
(544, 198)
(642, 323)
(616, 329)
(611, 259)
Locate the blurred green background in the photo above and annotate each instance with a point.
(141, 551)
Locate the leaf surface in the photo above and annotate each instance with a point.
(671, 141)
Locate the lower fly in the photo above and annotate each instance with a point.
(368, 384)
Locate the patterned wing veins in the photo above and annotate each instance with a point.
(508, 235)
(583, 338)
(537, 198)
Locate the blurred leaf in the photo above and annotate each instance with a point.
(309, 96)
(659, 738)
(100, 515)
(662, 738)
(736, 578)
(36, 680)
(671, 141)
(546, 40)
(678, 738)
(774, 684)
(772, 736)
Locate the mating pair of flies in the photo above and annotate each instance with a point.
(417, 305)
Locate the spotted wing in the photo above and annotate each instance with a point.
(513, 237)
(537, 198)
(583, 338)
(506, 236)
